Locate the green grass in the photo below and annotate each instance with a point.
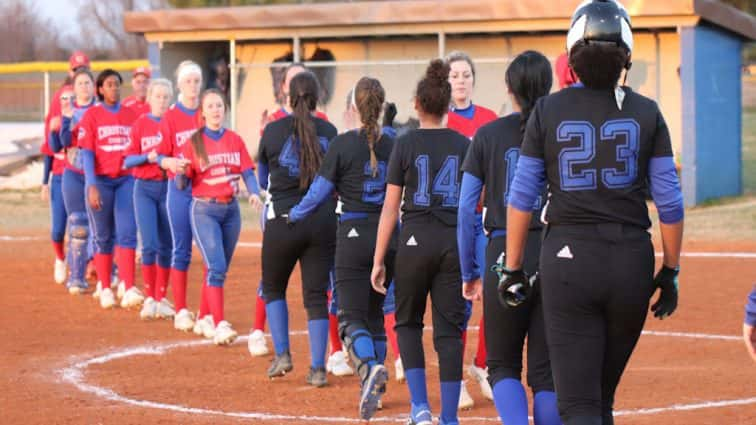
(749, 150)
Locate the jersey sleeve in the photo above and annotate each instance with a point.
(246, 160)
(473, 163)
(662, 141)
(396, 165)
(187, 152)
(533, 141)
(329, 169)
(86, 136)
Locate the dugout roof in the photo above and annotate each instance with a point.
(385, 18)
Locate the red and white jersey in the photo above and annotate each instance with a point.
(59, 159)
(78, 115)
(146, 137)
(468, 126)
(227, 160)
(177, 125)
(105, 131)
(140, 107)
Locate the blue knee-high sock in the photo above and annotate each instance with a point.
(417, 386)
(380, 350)
(318, 333)
(511, 402)
(545, 410)
(278, 322)
(450, 401)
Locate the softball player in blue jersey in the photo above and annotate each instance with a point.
(599, 146)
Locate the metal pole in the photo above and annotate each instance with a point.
(297, 46)
(233, 85)
(46, 106)
(441, 44)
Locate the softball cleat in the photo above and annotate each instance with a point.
(60, 270)
(372, 391)
(183, 320)
(280, 365)
(317, 377)
(481, 376)
(164, 309)
(256, 344)
(465, 401)
(337, 365)
(149, 309)
(107, 299)
(132, 298)
(398, 370)
(223, 334)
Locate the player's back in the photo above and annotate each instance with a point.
(596, 153)
(428, 163)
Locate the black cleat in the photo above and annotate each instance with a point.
(317, 377)
(372, 390)
(280, 365)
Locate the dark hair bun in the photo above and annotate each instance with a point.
(434, 91)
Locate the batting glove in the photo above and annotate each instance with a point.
(514, 287)
(666, 281)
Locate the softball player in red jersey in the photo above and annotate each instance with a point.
(176, 127)
(140, 80)
(150, 188)
(54, 162)
(103, 138)
(466, 118)
(217, 159)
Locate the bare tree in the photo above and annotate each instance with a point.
(27, 36)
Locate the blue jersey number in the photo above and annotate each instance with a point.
(289, 156)
(585, 152)
(446, 183)
(374, 188)
(511, 157)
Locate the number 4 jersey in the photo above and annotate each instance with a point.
(596, 155)
(428, 163)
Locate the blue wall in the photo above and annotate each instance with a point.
(710, 74)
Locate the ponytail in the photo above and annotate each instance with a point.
(529, 78)
(368, 97)
(303, 98)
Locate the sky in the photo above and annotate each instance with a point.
(61, 11)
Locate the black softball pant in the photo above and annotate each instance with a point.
(360, 307)
(596, 282)
(427, 262)
(312, 242)
(506, 327)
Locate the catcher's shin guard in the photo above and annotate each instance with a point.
(359, 344)
(78, 236)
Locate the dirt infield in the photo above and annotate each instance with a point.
(66, 361)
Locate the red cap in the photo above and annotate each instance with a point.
(144, 70)
(77, 60)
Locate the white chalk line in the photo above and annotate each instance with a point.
(74, 374)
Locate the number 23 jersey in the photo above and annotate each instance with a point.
(596, 156)
(428, 164)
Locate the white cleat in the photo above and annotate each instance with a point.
(205, 327)
(98, 289)
(107, 299)
(149, 309)
(183, 320)
(399, 370)
(256, 344)
(481, 376)
(337, 365)
(224, 334)
(164, 309)
(465, 401)
(132, 298)
(121, 290)
(60, 271)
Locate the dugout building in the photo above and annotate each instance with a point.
(687, 57)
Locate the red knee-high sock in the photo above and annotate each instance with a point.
(204, 304)
(480, 356)
(104, 266)
(148, 276)
(259, 314)
(126, 265)
(389, 321)
(464, 342)
(178, 284)
(161, 282)
(333, 332)
(215, 301)
(58, 247)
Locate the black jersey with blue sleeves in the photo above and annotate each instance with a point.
(428, 164)
(279, 151)
(597, 158)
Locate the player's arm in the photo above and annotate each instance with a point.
(386, 225)
(64, 135)
(528, 183)
(468, 202)
(322, 187)
(749, 325)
